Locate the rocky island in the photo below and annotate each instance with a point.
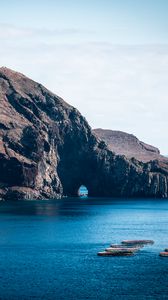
(47, 150)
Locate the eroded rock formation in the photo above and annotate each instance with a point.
(123, 143)
(47, 149)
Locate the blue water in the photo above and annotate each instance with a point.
(48, 249)
(83, 191)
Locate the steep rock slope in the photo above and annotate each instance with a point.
(47, 149)
(123, 143)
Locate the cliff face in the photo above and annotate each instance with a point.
(47, 149)
(126, 144)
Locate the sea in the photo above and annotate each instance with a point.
(48, 249)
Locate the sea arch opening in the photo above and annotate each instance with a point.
(83, 191)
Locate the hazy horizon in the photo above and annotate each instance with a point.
(107, 58)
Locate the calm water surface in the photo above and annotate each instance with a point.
(48, 249)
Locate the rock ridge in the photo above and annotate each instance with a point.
(123, 143)
(47, 150)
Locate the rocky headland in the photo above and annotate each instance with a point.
(123, 143)
(47, 150)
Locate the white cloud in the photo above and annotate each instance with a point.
(114, 86)
(10, 31)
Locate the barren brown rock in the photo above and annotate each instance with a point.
(47, 150)
(123, 143)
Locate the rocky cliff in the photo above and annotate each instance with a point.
(47, 149)
(123, 143)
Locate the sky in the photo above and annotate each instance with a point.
(107, 58)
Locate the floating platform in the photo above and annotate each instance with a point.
(122, 249)
(137, 242)
(163, 254)
(126, 246)
(115, 253)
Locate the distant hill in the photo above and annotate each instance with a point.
(129, 145)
